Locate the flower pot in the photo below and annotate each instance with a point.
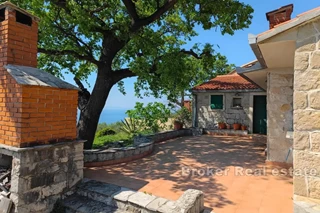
(177, 125)
(243, 127)
(222, 125)
(236, 126)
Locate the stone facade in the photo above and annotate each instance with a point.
(307, 114)
(43, 174)
(279, 114)
(208, 118)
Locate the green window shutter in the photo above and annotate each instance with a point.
(216, 102)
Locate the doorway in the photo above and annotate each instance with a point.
(260, 114)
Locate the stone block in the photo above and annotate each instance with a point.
(54, 189)
(45, 179)
(191, 201)
(300, 100)
(300, 186)
(305, 120)
(315, 100)
(315, 60)
(315, 142)
(301, 140)
(171, 207)
(123, 194)
(307, 45)
(307, 80)
(306, 163)
(141, 199)
(156, 204)
(314, 187)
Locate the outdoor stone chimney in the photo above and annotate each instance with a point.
(280, 15)
(35, 107)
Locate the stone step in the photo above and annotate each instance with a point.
(98, 191)
(81, 204)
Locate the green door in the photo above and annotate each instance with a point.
(260, 114)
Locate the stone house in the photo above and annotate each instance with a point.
(288, 68)
(230, 99)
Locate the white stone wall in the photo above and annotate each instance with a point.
(208, 118)
(307, 111)
(280, 114)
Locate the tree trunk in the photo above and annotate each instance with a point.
(89, 116)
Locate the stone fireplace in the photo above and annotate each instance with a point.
(38, 115)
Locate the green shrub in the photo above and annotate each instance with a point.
(105, 131)
(104, 140)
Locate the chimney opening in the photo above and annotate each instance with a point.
(2, 14)
(23, 18)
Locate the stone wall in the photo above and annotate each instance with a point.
(43, 174)
(307, 112)
(162, 136)
(279, 114)
(208, 118)
(112, 198)
(100, 157)
(143, 146)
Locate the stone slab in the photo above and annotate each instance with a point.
(123, 194)
(156, 204)
(141, 199)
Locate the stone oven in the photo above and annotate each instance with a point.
(38, 115)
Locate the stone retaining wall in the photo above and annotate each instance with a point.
(43, 174)
(143, 146)
(96, 158)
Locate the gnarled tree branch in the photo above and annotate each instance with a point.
(131, 7)
(138, 24)
(69, 52)
(118, 75)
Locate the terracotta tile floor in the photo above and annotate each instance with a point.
(231, 191)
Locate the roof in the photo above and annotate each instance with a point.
(228, 82)
(15, 7)
(36, 77)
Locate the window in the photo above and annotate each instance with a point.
(216, 102)
(23, 19)
(237, 102)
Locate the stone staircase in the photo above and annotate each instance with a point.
(96, 197)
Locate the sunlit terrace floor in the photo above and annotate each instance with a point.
(233, 190)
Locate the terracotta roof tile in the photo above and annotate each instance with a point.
(227, 82)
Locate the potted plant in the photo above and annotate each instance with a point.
(182, 117)
(221, 124)
(177, 125)
(243, 127)
(236, 126)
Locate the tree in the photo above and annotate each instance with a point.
(119, 39)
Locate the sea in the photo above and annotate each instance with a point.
(112, 115)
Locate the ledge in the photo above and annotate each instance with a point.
(10, 150)
(143, 146)
(226, 132)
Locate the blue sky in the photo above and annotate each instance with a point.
(235, 47)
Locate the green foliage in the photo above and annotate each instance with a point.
(104, 140)
(183, 115)
(73, 32)
(153, 116)
(131, 126)
(105, 131)
(102, 126)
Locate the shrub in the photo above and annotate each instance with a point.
(105, 131)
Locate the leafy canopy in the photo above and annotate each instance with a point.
(74, 36)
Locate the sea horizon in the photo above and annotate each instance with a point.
(112, 115)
